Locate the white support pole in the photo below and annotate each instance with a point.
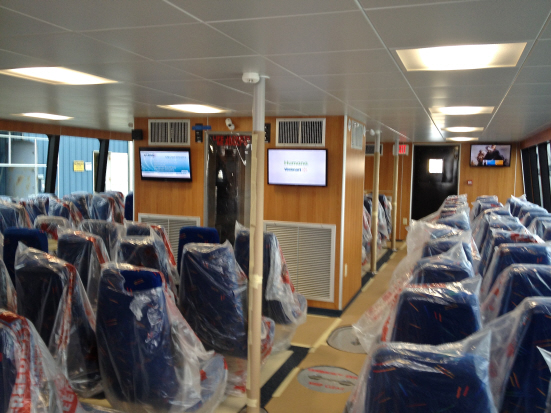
(375, 209)
(256, 242)
(395, 194)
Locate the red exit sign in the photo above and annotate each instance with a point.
(403, 149)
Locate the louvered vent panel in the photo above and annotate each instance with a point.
(309, 250)
(171, 224)
(370, 149)
(169, 132)
(357, 136)
(300, 132)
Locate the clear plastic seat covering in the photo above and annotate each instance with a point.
(150, 358)
(547, 233)
(50, 294)
(203, 235)
(508, 254)
(419, 232)
(529, 208)
(109, 232)
(435, 313)
(213, 298)
(459, 221)
(52, 226)
(280, 301)
(35, 206)
(443, 270)
(495, 221)
(33, 238)
(539, 225)
(118, 197)
(412, 378)
(382, 229)
(514, 284)
(8, 296)
(531, 215)
(82, 202)
(30, 380)
(87, 253)
(13, 215)
(65, 209)
(479, 220)
(481, 205)
(102, 207)
(514, 204)
(150, 252)
(129, 207)
(520, 377)
(496, 237)
(441, 245)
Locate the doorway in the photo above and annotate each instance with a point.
(435, 176)
(227, 182)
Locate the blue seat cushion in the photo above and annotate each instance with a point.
(129, 207)
(459, 221)
(440, 246)
(12, 215)
(32, 238)
(442, 271)
(81, 201)
(195, 235)
(495, 238)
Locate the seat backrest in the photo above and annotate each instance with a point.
(435, 315)
(33, 238)
(538, 225)
(51, 225)
(8, 371)
(102, 207)
(528, 209)
(129, 207)
(496, 237)
(497, 222)
(109, 232)
(459, 221)
(13, 215)
(34, 207)
(443, 271)
(66, 209)
(137, 358)
(8, 297)
(81, 201)
(416, 381)
(212, 297)
(440, 246)
(195, 235)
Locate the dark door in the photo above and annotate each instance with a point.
(435, 176)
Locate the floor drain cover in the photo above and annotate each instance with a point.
(327, 379)
(344, 339)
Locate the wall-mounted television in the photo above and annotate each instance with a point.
(302, 167)
(165, 164)
(490, 154)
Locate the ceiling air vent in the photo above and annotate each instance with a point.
(300, 132)
(169, 132)
(370, 149)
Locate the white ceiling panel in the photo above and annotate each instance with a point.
(304, 34)
(501, 76)
(477, 22)
(462, 95)
(78, 15)
(366, 81)
(274, 85)
(378, 4)
(66, 48)
(16, 24)
(541, 54)
(534, 74)
(10, 60)
(221, 10)
(228, 67)
(183, 41)
(353, 94)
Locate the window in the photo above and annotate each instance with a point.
(436, 166)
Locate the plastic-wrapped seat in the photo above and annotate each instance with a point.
(50, 294)
(147, 251)
(508, 254)
(150, 359)
(445, 270)
(439, 246)
(52, 225)
(30, 381)
(202, 235)
(65, 209)
(8, 297)
(109, 232)
(129, 207)
(118, 197)
(515, 204)
(82, 201)
(87, 253)
(33, 238)
(514, 284)
(280, 301)
(102, 207)
(13, 215)
(404, 377)
(539, 225)
(35, 206)
(213, 292)
(481, 205)
(531, 215)
(520, 378)
(496, 222)
(432, 314)
(459, 221)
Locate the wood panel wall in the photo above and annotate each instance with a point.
(353, 211)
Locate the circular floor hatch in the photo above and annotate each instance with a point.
(327, 379)
(344, 339)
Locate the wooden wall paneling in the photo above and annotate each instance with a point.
(353, 216)
(311, 204)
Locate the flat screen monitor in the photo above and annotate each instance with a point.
(302, 167)
(491, 155)
(165, 164)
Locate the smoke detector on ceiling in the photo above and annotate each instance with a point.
(251, 77)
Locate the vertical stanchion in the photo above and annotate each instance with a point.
(395, 194)
(256, 242)
(375, 209)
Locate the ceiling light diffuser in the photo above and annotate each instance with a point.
(462, 110)
(193, 108)
(56, 76)
(463, 129)
(463, 57)
(45, 116)
(462, 139)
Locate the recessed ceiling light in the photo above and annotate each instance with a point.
(464, 129)
(464, 57)
(462, 110)
(56, 76)
(45, 116)
(193, 108)
(462, 139)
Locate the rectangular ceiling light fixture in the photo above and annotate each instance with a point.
(462, 110)
(464, 129)
(193, 108)
(56, 76)
(45, 116)
(464, 57)
(461, 139)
